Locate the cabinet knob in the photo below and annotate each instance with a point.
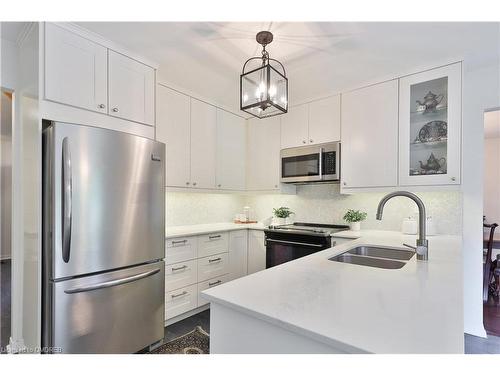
(187, 183)
(304, 142)
(219, 185)
(101, 106)
(115, 109)
(453, 178)
(194, 183)
(311, 141)
(276, 186)
(344, 183)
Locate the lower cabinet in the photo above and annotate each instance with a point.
(256, 251)
(210, 284)
(196, 263)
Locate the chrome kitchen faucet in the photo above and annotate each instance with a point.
(422, 248)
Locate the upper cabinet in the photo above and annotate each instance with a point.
(231, 151)
(263, 154)
(131, 89)
(174, 129)
(370, 136)
(295, 127)
(76, 71)
(312, 123)
(82, 73)
(203, 144)
(430, 127)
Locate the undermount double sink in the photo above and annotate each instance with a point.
(375, 256)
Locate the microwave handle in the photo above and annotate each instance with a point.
(321, 163)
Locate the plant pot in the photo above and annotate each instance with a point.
(279, 221)
(356, 226)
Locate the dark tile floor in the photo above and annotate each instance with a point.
(184, 326)
(491, 316)
(479, 345)
(5, 266)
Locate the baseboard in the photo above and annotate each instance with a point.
(187, 314)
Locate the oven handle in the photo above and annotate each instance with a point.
(321, 163)
(294, 243)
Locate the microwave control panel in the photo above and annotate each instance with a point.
(329, 162)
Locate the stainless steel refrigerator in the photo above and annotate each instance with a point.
(103, 240)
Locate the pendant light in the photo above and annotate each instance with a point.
(264, 90)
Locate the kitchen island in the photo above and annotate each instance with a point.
(314, 305)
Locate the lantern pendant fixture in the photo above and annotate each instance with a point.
(264, 90)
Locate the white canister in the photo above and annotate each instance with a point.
(409, 226)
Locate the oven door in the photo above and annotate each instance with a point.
(301, 164)
(284, 248)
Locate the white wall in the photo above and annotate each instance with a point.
(492, 180)
(8, 63)
(481, 91)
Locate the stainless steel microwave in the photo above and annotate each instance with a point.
(318, 163)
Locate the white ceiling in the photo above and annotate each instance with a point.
(492, 124)
(321, 58)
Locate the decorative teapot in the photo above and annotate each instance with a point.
(432, 164)
(430, 101)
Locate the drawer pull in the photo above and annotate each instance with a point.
(179, 295)
(214, 237)
(215, 283)
(214, 260)
(178, 242)
(179, 268)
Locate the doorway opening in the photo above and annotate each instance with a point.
(491, 218)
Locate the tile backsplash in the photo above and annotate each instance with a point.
(321, 203)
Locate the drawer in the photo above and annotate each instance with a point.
(212, 266)
(213, 243)
(181, 249)
(180, 301)
(179, 275)
(210, 284)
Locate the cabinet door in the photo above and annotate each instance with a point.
(131, 89)
(294, 127)
(324, 120)
(370, 136)
(203, 144)
(256, 251)
(75, 70)
(263, 154)
(238, 254)
(173, 129)
(231, 151)
(429, 127)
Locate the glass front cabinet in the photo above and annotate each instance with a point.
(430, 122)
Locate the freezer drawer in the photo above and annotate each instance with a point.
(114, 312)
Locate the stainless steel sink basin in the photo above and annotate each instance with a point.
(375, 256)
(382, 252)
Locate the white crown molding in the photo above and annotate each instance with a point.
(96, 38)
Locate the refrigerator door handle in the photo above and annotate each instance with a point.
(66, 209)
(111, 283)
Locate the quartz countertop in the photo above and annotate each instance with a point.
(415, 309)
(193, 230)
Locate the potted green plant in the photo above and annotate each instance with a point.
(354, 218)
(281, 214)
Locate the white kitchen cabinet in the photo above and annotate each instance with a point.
(180, 301)
(370, 136)
(295, 127)
(324, 120)
(173, 128)
(238, 254)
(203, 144)
(256, 251)
(75, 70)
(204, 285)
(263, 154)
(181, 274)
(430, 126)
(181, 249)
(213, 243)
(231, 151)
(212, 266)
(131, 89)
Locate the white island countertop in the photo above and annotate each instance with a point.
(415, 309)
(196, 229)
